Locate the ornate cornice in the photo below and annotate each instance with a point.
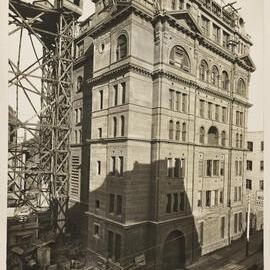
(119, 71)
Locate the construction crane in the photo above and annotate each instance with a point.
(38, 171)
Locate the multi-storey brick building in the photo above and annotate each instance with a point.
(165, 127)
(255, 177)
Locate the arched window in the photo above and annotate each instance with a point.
(204, 71)
(214, 76)
(213, 136)
(225, 80)
(241, 87)
(179, 58)
(177, 134)
(223, 138)
(122, 125)
(79, 83)
(241, 141)
(237, 140)
(76, 136)
(171, 130)
(202, 134)
(114, 127)
(121, 48)
(184, 132)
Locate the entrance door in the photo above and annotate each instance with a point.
(174, 251)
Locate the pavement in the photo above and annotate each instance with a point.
(234, 257)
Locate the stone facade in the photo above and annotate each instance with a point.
(255, 177)
(169, 102)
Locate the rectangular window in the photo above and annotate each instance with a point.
(216, 33)
(178, 100)
(182, 201)
(115, 94)
(201, 108)
(235, 222)
(96, 230)
(222, 227)
(237, 118)
(199, 204)
(118, 205)
(240, 222)
(241, 119)
(171, 99)
(209, 110)
(97, 204)
(239, 193)
(261, 165)
(169, 203)
(113, 165)
(250, 146)
(240, 168)
(169, 167)
(111, 203)
(177, 165)
(200, 168)
(117, 247)
(248, 184)
(261, 185)
(216, 197)
(209, 168)
(205, 26)
(183, 168)
(226, 38)
(221, 197)
(98, 167)
(208, 198)
(224, 114)
(121, 166)
(101, 99)
(184, 103)
(123, 92)
(217, 113)
(236, 168)
(100, 132)
(175, 202)
(249, 165)
(110, 244)
(262, 146)
(222, 168)
(235, 194)
(215, 167)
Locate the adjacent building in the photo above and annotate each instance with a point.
(255, 177)
(159, 130)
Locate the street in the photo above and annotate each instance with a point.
(234, 257)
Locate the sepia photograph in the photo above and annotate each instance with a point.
(135, 135)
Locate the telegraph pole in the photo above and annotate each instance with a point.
(248, 226)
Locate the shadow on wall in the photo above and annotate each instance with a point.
(141, 213)
(77, 220)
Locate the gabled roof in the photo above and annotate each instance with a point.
(248, 61)
(186, 19)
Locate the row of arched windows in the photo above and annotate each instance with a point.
(122, 126)
(180, 132)
(212, 136)
(180, 59)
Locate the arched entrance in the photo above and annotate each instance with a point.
(174, 251)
